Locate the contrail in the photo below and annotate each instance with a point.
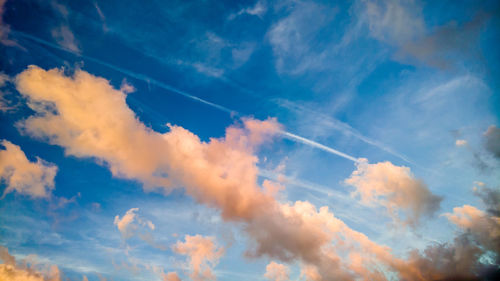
(318, 145)
(167, 87)
(132, 74)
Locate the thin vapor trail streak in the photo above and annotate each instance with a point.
(318, 145)
(167, 87)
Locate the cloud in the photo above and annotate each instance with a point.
(12, 271)
(401, 24)
(259, 9)
(62, 33)
(393, 21)
(492, 140)
(89, 118)
(483, 227)
(395, 188)
(65, 37)
(460, 142)
(490, 198)
(35, 179)
(202, 253)
(171, 276)
(291, 38)
(6, 104)
(5, 28)
(130, 222)
(277, 272)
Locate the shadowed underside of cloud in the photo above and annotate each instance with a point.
(401, 24)
(86, 116)
(492, 141)
(11, 271)
(35, 179)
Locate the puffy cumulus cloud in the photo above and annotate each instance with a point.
(277, 272)
(130, 222)
(203, 253)
(483, 227)
(35, 179)
(492, 140)
(12, 271)
(395, 188)
(170, 276)
(89, 118)
(86, 116)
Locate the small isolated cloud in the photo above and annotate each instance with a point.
(35, 179)
(461, 143)
(395, 188)
(65, 37)
(259, 9)
(12, 271)
(62, 33)
(277, 272)
(202, 254)
(130, 223)
(492, 141)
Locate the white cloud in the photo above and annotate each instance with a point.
(35, 179)
(461, 143)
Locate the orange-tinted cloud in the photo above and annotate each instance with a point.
(395, 188)
(277, 272)
(89, 118)
(11, 271)
(35, 179)
(202, 253)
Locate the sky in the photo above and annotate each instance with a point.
(249, 140)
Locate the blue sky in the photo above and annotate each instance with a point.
(202, 140)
